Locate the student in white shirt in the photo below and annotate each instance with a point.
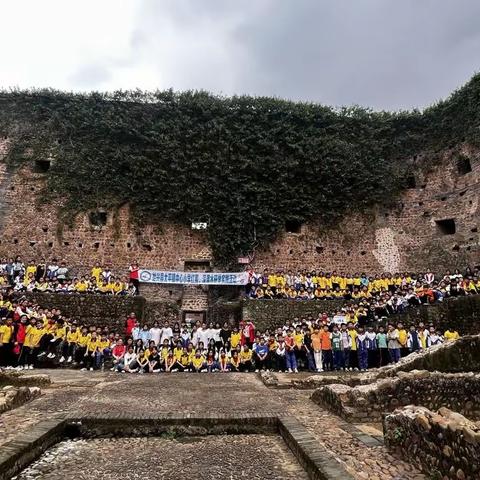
(155, 333)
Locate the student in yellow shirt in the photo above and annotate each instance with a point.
(245, 359)
(90, 351)
(198, 363)
(353, 357)
(33, 333)
(6, 342)
(402, 340)
(235, 338)
(96, 272)
(83, 338)
(69, 344)
(81, 286)
(451, 334)
(59, 333)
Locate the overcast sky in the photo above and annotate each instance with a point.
(387, 54)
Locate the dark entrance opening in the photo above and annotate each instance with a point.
(41, 166)
(293, 226)
(446, 226)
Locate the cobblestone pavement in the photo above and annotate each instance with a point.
(96, 392)
(222, 456)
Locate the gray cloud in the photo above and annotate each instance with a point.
(386, 54)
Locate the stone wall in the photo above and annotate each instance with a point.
(368, 403)
(463, 313)
(404, 236)
(100, 310)
(443, 445)
(458, 356)
(274, 313)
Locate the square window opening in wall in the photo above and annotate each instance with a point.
(463, 165)
(98, 218)
(41, 166)
(411, 182)
(293, 226)
(446, 226)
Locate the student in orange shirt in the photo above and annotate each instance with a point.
(326, 341)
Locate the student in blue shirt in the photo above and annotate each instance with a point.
(261, 355)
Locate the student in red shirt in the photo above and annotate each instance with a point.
(134, 276)
(118, 354)
(130, 324)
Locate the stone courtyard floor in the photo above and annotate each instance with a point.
(358, 447)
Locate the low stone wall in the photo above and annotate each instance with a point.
(368, 403)
(462, 312)
(12, 397)
(443, 445)
(161, 311)
(100, 310)
(459, 356)
(274, 313)
(19, 379)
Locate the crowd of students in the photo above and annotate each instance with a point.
(31, 336)
(55, 277)
(410, 288)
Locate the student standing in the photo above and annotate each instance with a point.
(362, 350)
(381, 338)
(393, 344)
(337, 346)
(317, 349)
(327, 356)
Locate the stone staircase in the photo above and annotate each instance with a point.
(194, 298)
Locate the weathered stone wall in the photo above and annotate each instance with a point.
(458, 356)
(404, 237)
(274, 313)
(367, 403)
(100, 310)
(443, 445)
(463, 313)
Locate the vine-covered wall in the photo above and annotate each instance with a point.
(246, 166)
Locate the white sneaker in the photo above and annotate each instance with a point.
(290, 370)
(30, 367)
(112, 369)
(83, 369)
(256, 371)
(91, 369)
(296, 370)
(19, 368)
(62, 359)
(69, 359)
(41, 354)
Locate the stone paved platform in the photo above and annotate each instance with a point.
(81, 393)
(216, 456)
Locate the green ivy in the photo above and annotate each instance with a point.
(245, 165)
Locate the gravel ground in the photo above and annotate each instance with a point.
(211, 457)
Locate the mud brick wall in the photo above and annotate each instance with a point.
(99, 310)
(443, 445)
(402, 237)
(366, 403)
